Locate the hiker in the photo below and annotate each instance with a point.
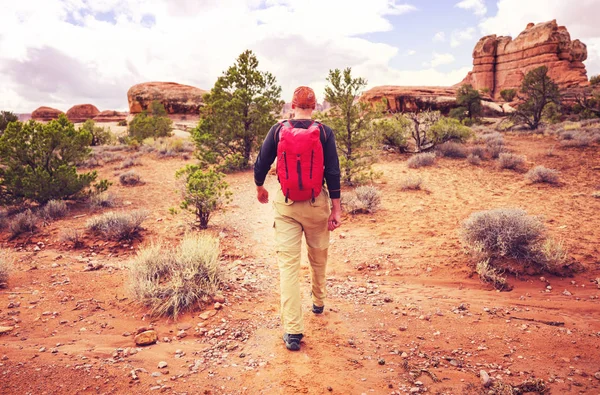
(306, 160)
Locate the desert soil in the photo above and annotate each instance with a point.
(404, 313)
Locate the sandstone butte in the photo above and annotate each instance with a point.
(45, 114)
(177, 98)
(500, 63)
(82, 112)
(110, 116)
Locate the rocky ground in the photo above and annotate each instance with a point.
(404, 314)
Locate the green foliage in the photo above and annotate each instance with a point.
(551, 113)
(422, 123)
(595, 80)
(102, 186)
(204, 192)
(508, 95)
(470, 99)
(144, 125)
(540, 90)
(100, 136)
(393, 132)
(6, 117)
(237, 113)
(37, 161)
(352, 122)
(459, 113)
(447, 129)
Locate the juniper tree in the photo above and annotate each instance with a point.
(539, 91)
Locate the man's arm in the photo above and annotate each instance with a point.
(266, 157)
(332, 177)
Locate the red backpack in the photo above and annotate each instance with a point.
(300, 162)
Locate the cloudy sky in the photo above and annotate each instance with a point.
(64, 52)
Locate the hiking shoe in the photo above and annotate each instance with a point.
(292, 342)
(317, 309)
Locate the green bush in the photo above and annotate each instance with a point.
(595, 80)
(393, 132)
(6, 117)
(204, 192)
(459, 113)
(37, 161)
(100, 135)
(508, 95)
(447, 129)
(145, 125)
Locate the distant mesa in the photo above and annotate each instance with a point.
(413, 98)
(82, 112)
(45, 114)
(110, 116)
(177, 98)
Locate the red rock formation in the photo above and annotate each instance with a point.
(82, 112)
(177, 98)
(45, 114)
(110, 116)
(413, 98)
(501, 63)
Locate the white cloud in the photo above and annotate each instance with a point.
(458, 36)
(411, 52)
(439, 37)
(477, 6)
(440, 59)
(581, 21)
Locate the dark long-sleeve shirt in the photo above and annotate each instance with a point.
(268, 153)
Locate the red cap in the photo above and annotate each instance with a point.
(304, 98)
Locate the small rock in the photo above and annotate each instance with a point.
(381, 361)
(329, 389)
(43, 349)
(597, 375)
(219, 298)
(6, 329)
(208, 314)
(567, 293)
(404, 355)
(242, 355)
(218, 306)
(162, 365)
(146, 338)
(486, 381)
(184, 326)
(415, 390)
(134, 376)
(403, 329)
(156, 374)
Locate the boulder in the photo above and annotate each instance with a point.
(501, 63)
(413, 98)
(110, 116)
(177, 98)
(146, 338)
(45, 114)
(82, 112)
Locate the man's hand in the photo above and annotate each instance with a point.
(335, 219)
(262, 195)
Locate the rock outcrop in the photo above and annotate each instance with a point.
(82, 112)
(45, 114)
(501, 63)
(110, 116)
(413, 98)
(177, 98)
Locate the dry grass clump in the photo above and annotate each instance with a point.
(4, 269)
(25, 222)
(110, 157)
(130, 178)
(130, 162)
(54, 209)
(365, 199)
(576, 140)
(168, 147)
(494, 143)
(474, 159)
(411, 183)
(421, 160)
(102, 200)
(172, 281)
(72, 236)
(503, 237)
(451, 149)
(117, 226)
(541, 174)
(479, 151)
(511, 161)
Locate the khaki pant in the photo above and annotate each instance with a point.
(291, 219)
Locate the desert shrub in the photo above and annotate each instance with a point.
(117, 226)
(552, 113)
(459, 113)
(3, 220)
(511, 161)
(369, 197)
(595, 79)
(421, 160)
(110, 157)
(130, 178)
(393, 132)
(479, 151)
(144, 125)
(6, 117)
(470, 99)
(102, 200)
(38, 161)
(172, 281)
(474, 159)
(54, 209)
(576, 140)
(447, 129)
(492, 275)
(204, 191)
(122, 123)
(541, 174)
(23, 223)
(508, 95)
(451, 149)
(4, 269)
(100, 135)
(72, 236)
(411, 183)
(130, 162)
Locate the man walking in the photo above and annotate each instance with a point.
(306, 160)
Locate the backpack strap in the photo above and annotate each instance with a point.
(289, 124)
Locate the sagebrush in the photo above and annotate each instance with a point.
(118, 225)
(364, 199)
(25, 222)
(54, 209)
(511, 161)
(451, 149)
(411, 183)
(130, 178)
(421, 160)
(4, 269)
(171, 281)
(541, 174)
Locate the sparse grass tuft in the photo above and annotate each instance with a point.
(479, 151)
(577, 141)
(4, 269)
(474, 159)
(102, 200)
(72, 236)
(130, 162)
(3, 220)
(54, 209)
(411, 183)
(365, 199)
(511, 161)
(421, 160)
(25, 222)
(130, 178)
(490, 275)
(451, 149)
(541, 174)
(172, 281)
(117, 226)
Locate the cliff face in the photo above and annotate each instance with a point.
(177, 98)
(501, 63)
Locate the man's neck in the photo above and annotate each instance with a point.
(303, 114)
